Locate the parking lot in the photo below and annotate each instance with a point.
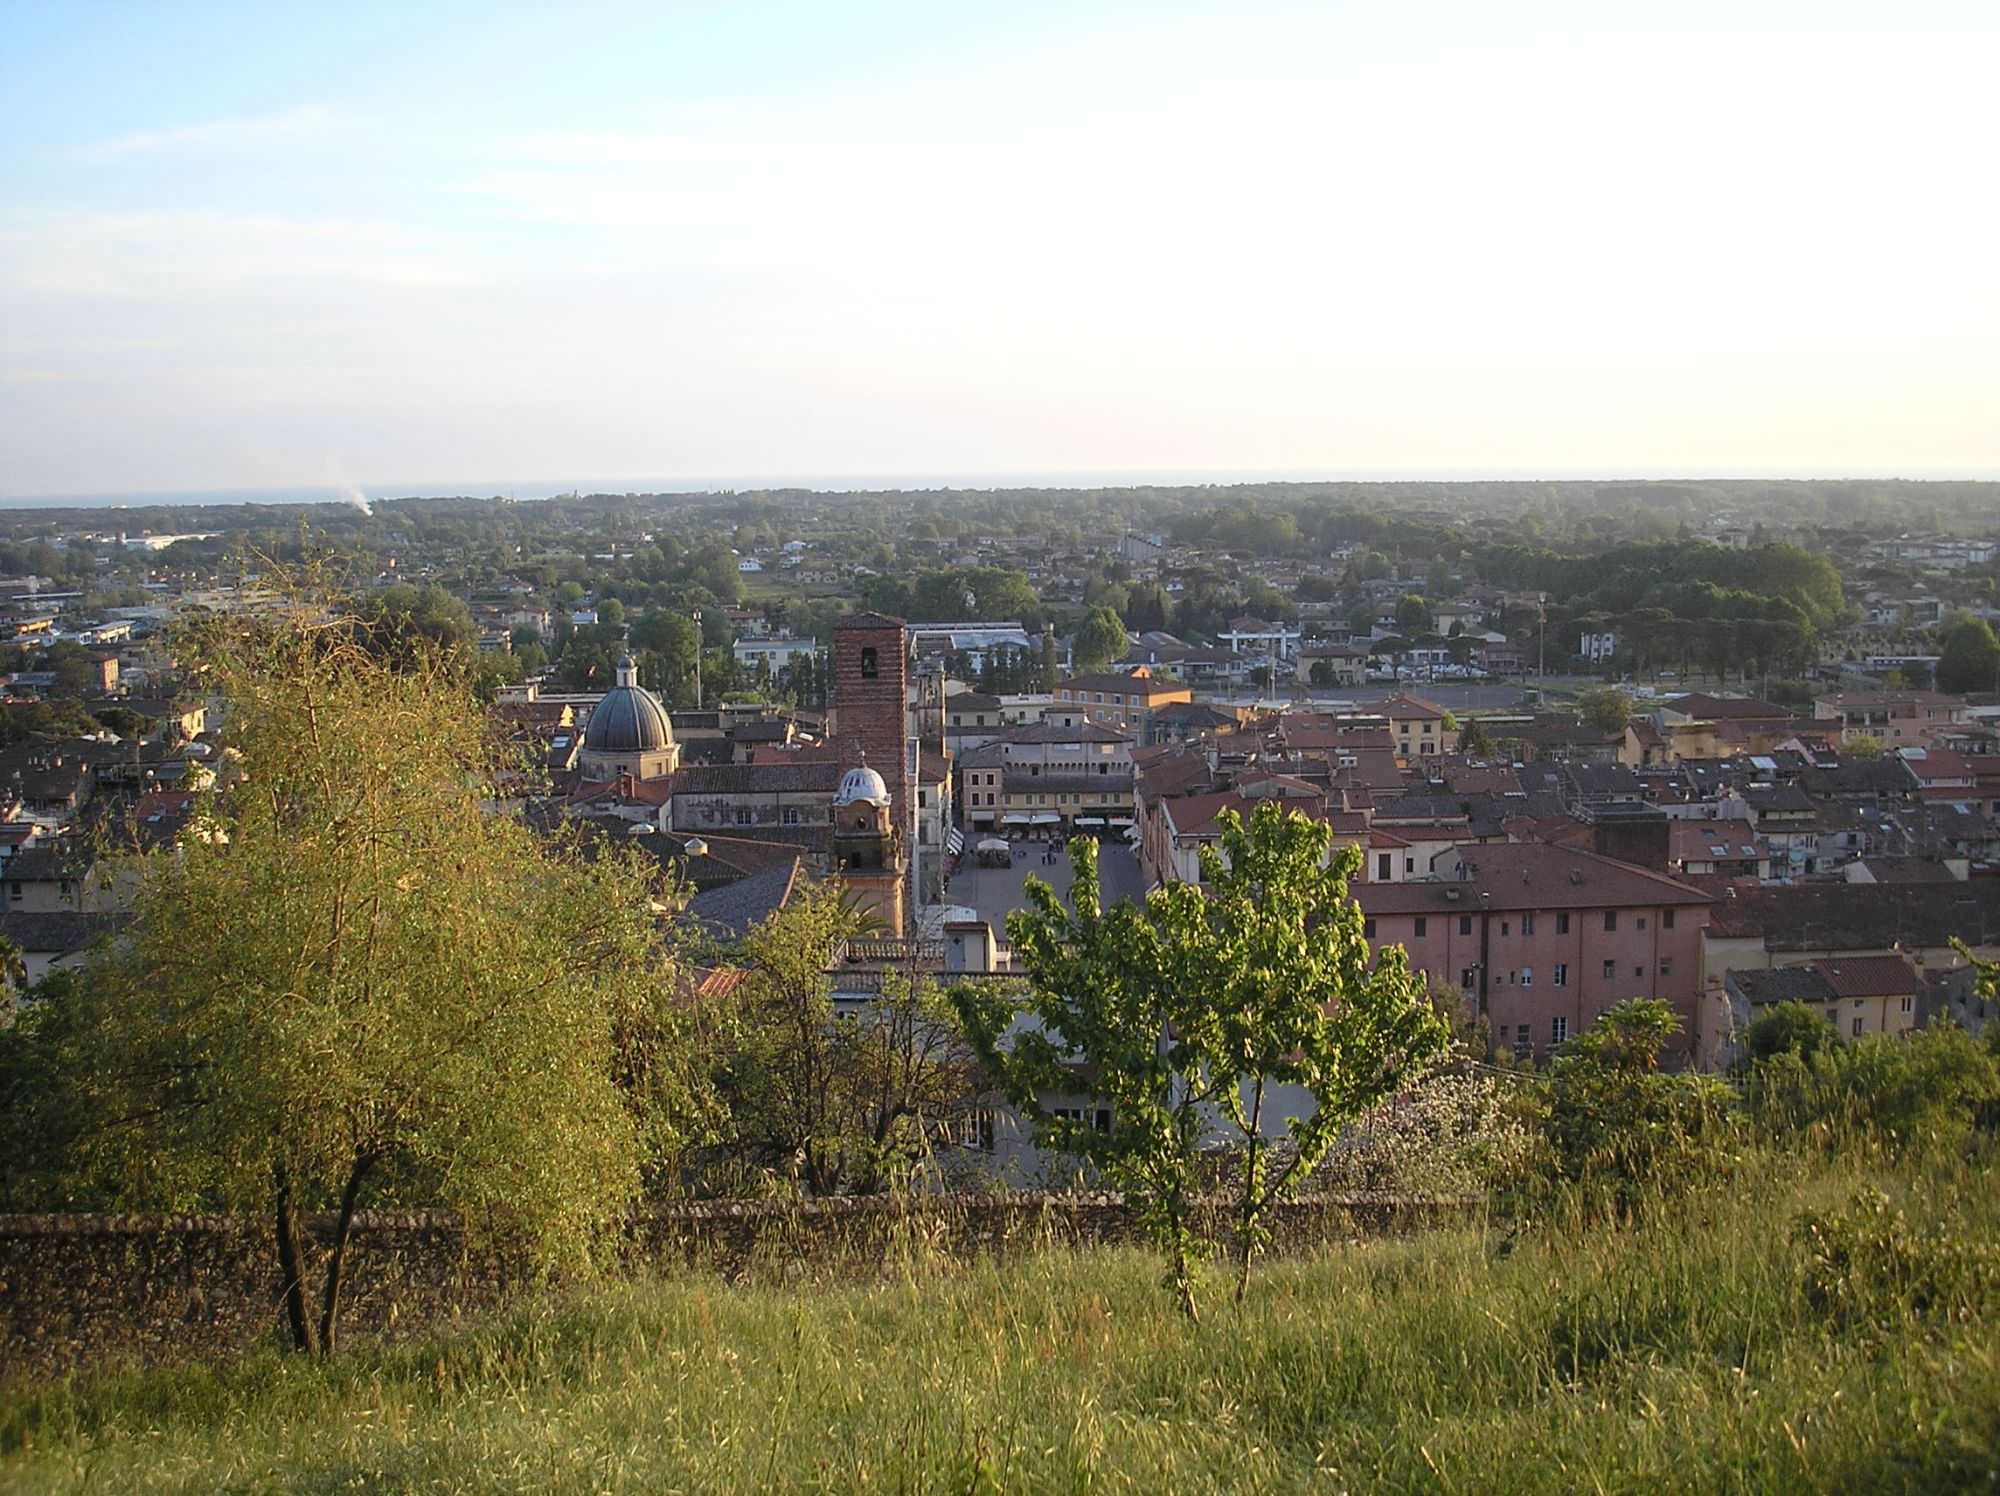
(993, 891)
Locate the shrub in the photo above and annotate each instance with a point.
(1452, 1133)
(1867, 1266)
(1917, 1093)
(1622, 1132)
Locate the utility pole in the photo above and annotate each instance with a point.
(1542, 651)
(698, 637)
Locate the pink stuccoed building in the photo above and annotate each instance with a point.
(1542, 939)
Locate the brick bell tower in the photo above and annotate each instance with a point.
(871, 696)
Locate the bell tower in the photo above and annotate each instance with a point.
(867, 843)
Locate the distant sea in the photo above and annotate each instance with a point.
(544, 488)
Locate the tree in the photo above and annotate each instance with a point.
(1202, 1002)
(1099, 641)
(1618, 1125)
(1103, 993)
(1413, 614)
(402, 622)
(844, 1105)
(1473, 739)
(1788, 1028)
(1285, 992)
(1968, 658)
(336, 1040)
(1863, 745)
(1605, 708)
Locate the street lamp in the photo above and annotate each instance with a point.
(698, 640)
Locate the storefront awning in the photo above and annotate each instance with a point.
(1121, 820)
(1090, 820)
(1016, 820)
(1047, 819)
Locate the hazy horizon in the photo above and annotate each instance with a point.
(247, 248)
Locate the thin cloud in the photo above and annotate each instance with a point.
(306, 122)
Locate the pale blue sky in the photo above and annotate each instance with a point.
(246, 245)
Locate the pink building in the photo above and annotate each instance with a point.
(1542, 939)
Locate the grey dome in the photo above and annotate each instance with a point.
(629, 719)
(862, 783)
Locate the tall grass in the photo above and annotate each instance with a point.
(1695, 1350)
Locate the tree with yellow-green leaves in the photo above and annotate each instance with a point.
(1193, 1012)
(353, 983)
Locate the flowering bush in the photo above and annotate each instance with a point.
(1452, 1133)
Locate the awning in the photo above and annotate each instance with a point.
(1016, 820)
(1047, 818)
(954, 841)
(1121, 820)
(994, 844)
(1090, 820)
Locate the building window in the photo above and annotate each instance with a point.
(1857, 1027)
(1382, 867)
(1504, 927)
(1368, 929)
(1562, 924)
(1909, 1005)
(742, 815)
(1558, 1030)
(1524, 1041)
(789, 816)
(1409, 864)
(1611, 919)
(1465, 977)
(1642, 921)
(1465, 924)
(1666, 919)
(1666, 966)
(1423, 928)
(1527, 924)
(1527, 976)
(1610, 971)
(1639, 973)
(1560, 976)
(869, 667)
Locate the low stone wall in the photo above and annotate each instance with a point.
(77, 1290)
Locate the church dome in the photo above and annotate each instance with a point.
(862, 783)
(629, 719)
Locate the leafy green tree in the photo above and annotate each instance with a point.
(350, 980)
(1969, 657)
(402, 622)
(1788, 1028)
(1473, 739)
(841, 1105)
(1197, 1004)
(1413, 614)
(1620, 1128)
(1863, 745)
(1283, 991)
(1605, 708)
(1099, 641)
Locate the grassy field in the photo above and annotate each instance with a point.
(1729, 1347)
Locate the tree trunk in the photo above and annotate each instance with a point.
(291, 1264)
(336, 1262)
(1248, 1225)
(1184, 1284)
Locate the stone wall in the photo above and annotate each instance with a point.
(81, 1290)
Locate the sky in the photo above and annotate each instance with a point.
(361, 245)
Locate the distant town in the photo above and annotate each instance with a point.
(1720, 744)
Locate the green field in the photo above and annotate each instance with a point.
(1726, 1347)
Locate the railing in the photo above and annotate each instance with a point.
(900, 952)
